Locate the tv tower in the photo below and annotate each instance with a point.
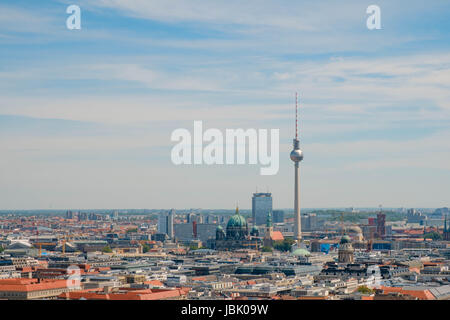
(297, 156)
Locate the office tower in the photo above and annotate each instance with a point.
(82, 216)
(414, 216)
(165, 223)
(381, 225)
(297, 156)
(194, 230)
(309, 222)
(312, 221)
(191, 217)
(171, 216)
(278, 216)
(162, 223)
(261, 206)
(69, 215)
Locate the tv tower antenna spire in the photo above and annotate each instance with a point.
(296, 115)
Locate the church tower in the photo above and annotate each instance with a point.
(446, 235)
(268, 242)
(346, 251)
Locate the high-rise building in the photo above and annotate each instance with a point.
(297, 156)
(414, 216)
(261, 206)
(82, 216)
(381, 225)
(309, 222)
(69, 215)
(165, 223)
(278, 216)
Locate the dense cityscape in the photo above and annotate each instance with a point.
(365, 254)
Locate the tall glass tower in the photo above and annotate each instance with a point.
(261, 206)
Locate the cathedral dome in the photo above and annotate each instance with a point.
(237, 221)
(237, 227)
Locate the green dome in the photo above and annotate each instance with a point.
(237, 221)
(345, 239)
(219, 228)
(300, 252)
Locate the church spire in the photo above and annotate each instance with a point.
(269, 219)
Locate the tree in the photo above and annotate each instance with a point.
(284, 245)
(1, 249)
(132, 230)
(266, 249)
(145, 248)
(107, 249)
(365, 290)
(433, 235)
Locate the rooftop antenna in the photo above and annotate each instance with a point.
(296, 115)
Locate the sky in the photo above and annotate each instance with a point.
(86, 115)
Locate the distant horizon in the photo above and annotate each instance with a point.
(219, 209)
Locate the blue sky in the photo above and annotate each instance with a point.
(86, 115)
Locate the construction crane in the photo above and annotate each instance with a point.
(64, 246)
(38, 243)
(64, 241)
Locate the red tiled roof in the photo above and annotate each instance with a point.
(154, 283)
(277, 236)
(147, 294)
(27, 285)
(421, 294)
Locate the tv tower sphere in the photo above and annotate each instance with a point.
(296, 155)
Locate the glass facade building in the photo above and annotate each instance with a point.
(261, 205)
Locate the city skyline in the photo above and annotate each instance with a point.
(86, 115)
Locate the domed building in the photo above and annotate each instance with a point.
(346, 251)
(237, 227)
(301, 252)
(254, 232)
(236, 235)
(355, 232)
(220, 234)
